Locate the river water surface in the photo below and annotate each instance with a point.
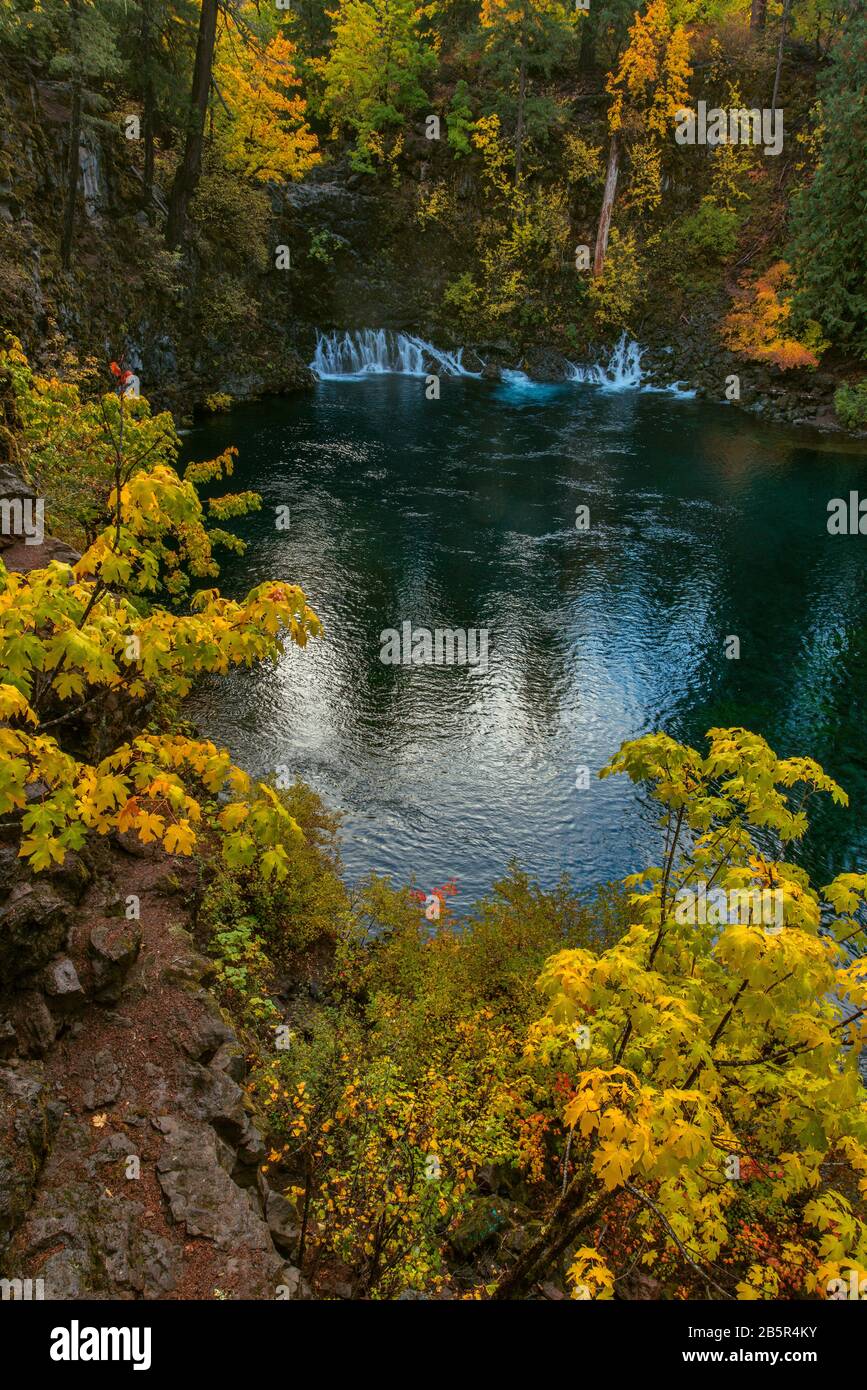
(460, 513)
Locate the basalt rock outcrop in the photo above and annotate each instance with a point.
(129, 1157)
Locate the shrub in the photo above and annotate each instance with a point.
(709, 1048)
(850, 403)
(758, 326)
(711, 233)
(459, 120)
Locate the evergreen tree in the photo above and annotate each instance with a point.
(524, 40)
(829, 219)
(188, 171)
(155, 45)
(83, 39)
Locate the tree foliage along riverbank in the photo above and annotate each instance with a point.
(151, 150)
(607, 1097)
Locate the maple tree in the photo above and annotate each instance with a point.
(758, 326)
(87, 636)
(260, 126)
(690, 1043)
(647, 88)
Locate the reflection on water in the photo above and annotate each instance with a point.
(460, 513)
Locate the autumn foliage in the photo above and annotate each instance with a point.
(261, 132)
(94, 636)
(649, 84)
(758, 325)
(647, 1097)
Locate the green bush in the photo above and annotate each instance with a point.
(459, 119)
(711, 233)
(850, 403)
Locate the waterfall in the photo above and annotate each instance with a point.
(375, 351)
(358, 353)
(622, 372)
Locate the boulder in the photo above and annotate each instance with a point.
(34, 921)
(213, 1096)
(35, 1028)
(60, 983)
(114, 949)
(210, 1034)
(101, 1085)
(99, 1246)
(283, 1223)
(201, 1195)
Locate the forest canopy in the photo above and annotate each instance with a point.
(512, 131)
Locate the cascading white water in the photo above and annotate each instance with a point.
(362, 352)
(622, 372)
(376, 351)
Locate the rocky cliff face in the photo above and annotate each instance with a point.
(125, 295)
(225, 319)
(363, 260)
(129, 1159)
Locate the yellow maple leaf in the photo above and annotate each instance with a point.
(180, 838)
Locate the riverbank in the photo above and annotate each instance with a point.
(221, 319)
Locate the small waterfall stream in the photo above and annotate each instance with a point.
(354, 354)
(622, 372)
(376, 351)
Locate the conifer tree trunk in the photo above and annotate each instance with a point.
(607, 205)
(148, 106)
(148, 136)
(758, 11)
(587, 51)
(189, 169)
